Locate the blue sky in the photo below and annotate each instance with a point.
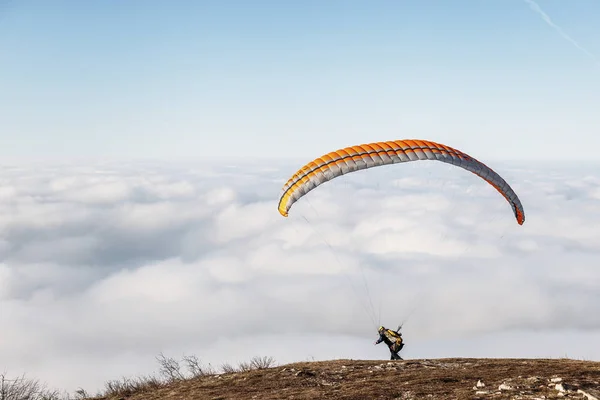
(195, 79)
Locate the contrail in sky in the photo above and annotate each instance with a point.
(535, 7)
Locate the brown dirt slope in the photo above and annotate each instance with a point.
(402, 379)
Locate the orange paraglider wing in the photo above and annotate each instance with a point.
(354, 158)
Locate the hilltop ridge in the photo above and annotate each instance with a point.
(452, 378)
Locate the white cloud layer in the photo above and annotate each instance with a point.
(104, 265)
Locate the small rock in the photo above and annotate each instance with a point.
(588, 395)
(480, 384)
(559, 387)
(482, 392)
(556, 380)
(305, 373)
(504, 386)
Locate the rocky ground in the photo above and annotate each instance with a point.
(408, 379)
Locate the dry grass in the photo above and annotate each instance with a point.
(172, 372)
(351, 379)
(261, 378)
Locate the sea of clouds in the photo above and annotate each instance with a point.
(105, 264)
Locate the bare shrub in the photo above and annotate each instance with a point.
(245, 366)
(195, 367)
(123, 387)
(228, 368)
(171, 371)
(81, 394)
(22, 388)
(170, 368)
(262, 362)
(128, 386)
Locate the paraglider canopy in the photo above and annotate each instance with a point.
(359, 157)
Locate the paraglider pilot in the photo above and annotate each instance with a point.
(393, 339)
